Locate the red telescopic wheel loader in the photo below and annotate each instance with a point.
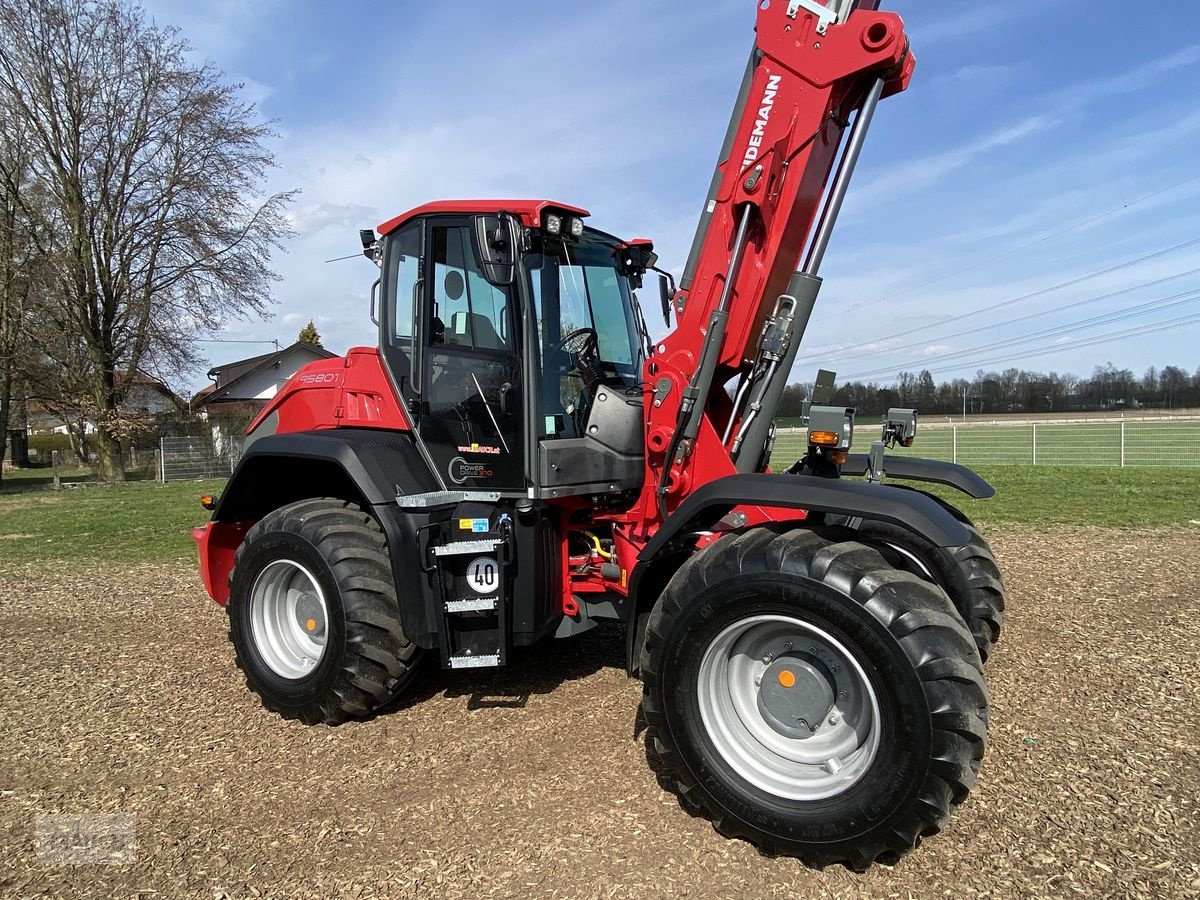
(517, 460)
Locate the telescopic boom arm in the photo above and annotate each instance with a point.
(816, 71)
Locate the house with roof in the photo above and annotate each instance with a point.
(241, 388)
(140, 395)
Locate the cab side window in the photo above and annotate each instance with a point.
(469, 312)
(404, 269)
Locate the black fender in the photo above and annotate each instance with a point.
(913, 510)
(908, 509)
(378, 464)
(360, 465)
(933, 471)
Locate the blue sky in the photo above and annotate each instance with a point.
(1041, 142)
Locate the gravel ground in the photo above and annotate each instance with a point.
(118, 693)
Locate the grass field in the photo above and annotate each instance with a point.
(151, 523)
(120, 524)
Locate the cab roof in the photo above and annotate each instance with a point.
(530, 211)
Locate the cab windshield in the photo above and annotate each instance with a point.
(574, 285)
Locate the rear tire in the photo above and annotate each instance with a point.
(313, 614)
(969, 574)
(875, 652)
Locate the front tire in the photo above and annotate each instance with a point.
(313, 614)
(812, 699)
(969, 574)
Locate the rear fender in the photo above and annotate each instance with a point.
(366, 467)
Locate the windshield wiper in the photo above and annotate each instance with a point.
(491, 415)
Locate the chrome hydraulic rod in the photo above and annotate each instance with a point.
(841, 182)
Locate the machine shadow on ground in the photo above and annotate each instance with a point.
(536, 670)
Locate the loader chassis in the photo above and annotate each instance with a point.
(517, 460)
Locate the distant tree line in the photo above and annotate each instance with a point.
(133, 211)
(1014, 391)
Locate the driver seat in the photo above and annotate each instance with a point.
(469, 329)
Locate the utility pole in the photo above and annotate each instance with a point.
(964, 403)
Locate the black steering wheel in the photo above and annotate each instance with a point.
(580, 342)
(583, 347)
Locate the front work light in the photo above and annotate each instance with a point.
(576, 228)
(553, 224)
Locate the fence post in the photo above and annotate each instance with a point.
(954, 429)
(1035, 443)
(54, 466)
(1122, 443)
(160, 462)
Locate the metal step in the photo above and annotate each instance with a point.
(476, 604)
(444, 498)
(476, 661)
(463, 548)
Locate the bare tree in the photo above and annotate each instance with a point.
(18, 272)
(156, 223)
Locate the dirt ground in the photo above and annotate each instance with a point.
(118, 693)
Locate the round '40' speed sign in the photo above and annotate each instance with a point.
(483, 574)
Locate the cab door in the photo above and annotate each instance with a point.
(470, 414)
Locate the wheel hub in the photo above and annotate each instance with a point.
(288, 619)
(789, 707)
(796, 695)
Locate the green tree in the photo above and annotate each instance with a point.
(310, 335)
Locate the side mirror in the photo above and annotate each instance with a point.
(370, 245)
(900, 427)
(496, 239)
(664, 294)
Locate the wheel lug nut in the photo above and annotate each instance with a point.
(767, 658)
(834, 669)
(787, 645)
(842, 695)
(833, 720)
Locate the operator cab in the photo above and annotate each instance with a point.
(516, 342)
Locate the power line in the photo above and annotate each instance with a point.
(234, 341)
(1046, 312)
(1152, 306)
(1149, 328)
(1014, 300)
(983, 262)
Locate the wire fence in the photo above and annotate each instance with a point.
(193, 457)
(1123, 443)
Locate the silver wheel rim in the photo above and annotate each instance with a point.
(759, 722)
(917, 567)
(288, 619)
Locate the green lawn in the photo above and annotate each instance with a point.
(1061, 495)
(121, 524)
(151, 523)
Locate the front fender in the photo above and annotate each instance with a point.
(933, 471)
(908, 509)
(659, 558)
